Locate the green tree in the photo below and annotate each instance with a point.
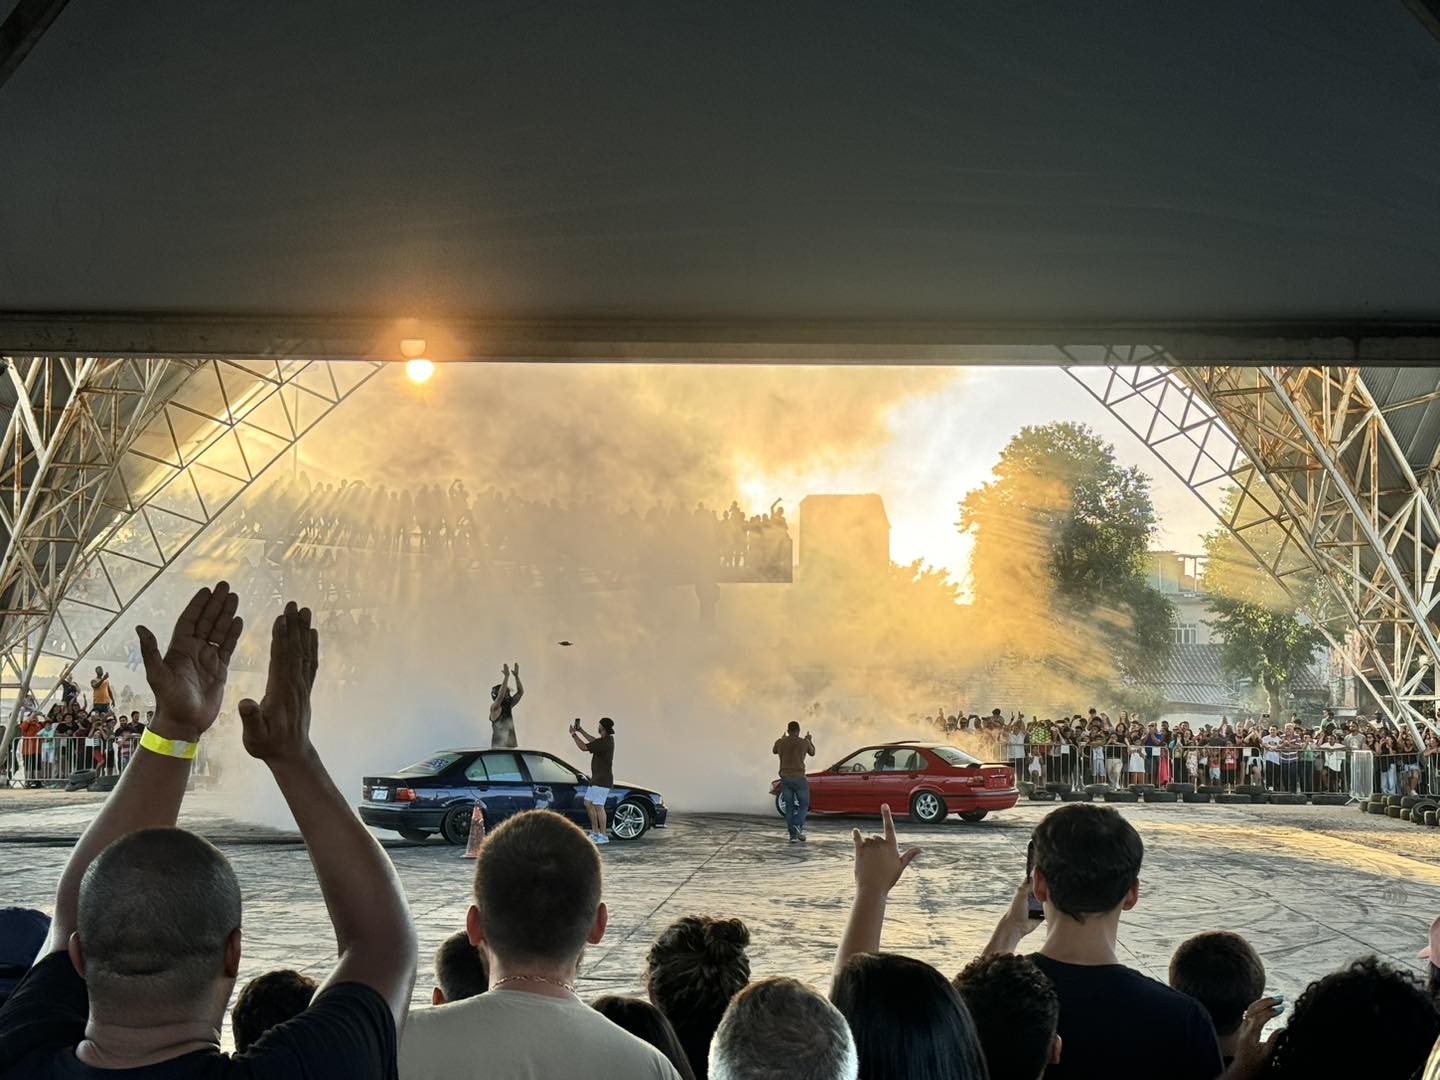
(1268, 637)
(1060, 533)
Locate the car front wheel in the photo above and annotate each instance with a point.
(782, 805)
(927, 808)
(630, 821)
(455, 825)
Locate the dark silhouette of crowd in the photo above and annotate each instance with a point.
(317, 530)
(135, 974)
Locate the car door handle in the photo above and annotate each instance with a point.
(543, 789)
(914, 776)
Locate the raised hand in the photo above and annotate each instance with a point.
(278, 727)
(505, 670)
(189, 679)
(878, 859)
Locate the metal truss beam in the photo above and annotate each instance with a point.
(110, 469)
(1229, 437)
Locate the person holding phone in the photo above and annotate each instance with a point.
(792, 751)
(602, 774)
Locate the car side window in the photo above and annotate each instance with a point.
(503, 768)
(910, 761)
(475, 771)
(546, 770)
(862, 762)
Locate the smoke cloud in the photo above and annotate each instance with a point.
(854, 657)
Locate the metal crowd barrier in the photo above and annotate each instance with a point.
(50, 760)
(1313, 771)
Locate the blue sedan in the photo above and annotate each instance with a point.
(437, 795)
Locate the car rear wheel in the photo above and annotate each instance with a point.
(630, 821)
(455, 825)
(415, 835)
(781, 804)
(927, 808)
(974, 815)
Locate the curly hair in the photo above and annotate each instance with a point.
(1016, 1013)
(696, 966)
(1385, 1022)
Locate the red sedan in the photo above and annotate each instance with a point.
(932, 779)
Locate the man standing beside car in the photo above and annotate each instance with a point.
(794, 788)
(602, 774)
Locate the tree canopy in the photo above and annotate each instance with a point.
(1061, 533)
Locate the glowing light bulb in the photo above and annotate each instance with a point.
(419, 369)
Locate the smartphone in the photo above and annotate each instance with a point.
(1037, 909)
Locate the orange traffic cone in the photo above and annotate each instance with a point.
(477, 832)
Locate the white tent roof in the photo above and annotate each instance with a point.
(834, 166)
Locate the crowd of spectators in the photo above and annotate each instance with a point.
(1126, 750)
(317, 529)
(76, 735)
(144, 995)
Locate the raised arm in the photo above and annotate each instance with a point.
(519, 687)
(878, 866)
(188, 682)
(373, 932)
(497, 704)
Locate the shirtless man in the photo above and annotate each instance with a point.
(502, 704)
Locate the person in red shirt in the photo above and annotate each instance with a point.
(30, 749)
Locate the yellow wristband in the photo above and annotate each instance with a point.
(168, 747)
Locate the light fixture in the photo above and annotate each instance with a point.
(412, 348)
(419, 369)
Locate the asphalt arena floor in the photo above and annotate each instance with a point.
(1310, 887)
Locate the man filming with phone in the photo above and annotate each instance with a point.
(602, 774)
(794, 788)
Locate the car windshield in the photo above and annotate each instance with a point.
(431, 766)
(951, 756)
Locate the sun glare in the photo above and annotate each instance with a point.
(419, 370)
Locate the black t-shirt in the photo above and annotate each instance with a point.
(602, 760)
(347, 1033)
(1117, 1022)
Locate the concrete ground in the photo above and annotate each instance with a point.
(1310, 887)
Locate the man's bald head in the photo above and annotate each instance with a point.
(157, 908)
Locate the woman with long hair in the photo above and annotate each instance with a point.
(909, 1022)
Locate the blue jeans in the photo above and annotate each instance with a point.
(796, 790)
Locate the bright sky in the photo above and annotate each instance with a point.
(943, 444)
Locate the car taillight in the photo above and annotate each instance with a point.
(404, 794)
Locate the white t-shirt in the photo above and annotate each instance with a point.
(514, 1035)
(1272, 748)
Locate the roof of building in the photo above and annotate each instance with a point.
(802, 163)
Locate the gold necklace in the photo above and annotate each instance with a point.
(533, 978)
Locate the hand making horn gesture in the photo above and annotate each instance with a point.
(878, 859)
(189, 679)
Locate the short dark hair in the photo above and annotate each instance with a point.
(606, 724)
(1389, 1024)
(460, 968)
(1090, 856)
(646, 1022)
(793, 727)
(181, 903)
(267, 1001)
(537, 887)
(1016, 1012)
(1222, 972)
(696, 966)
(908, 1021)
